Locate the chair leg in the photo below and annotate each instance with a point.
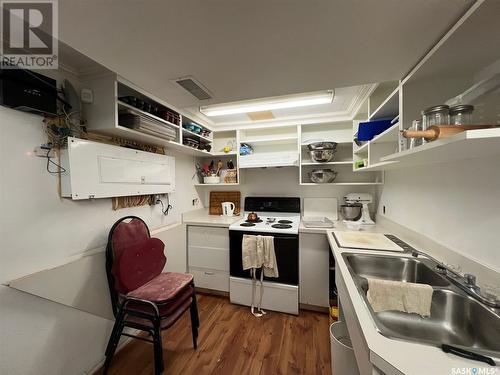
(195, 307)
(114, 332)
(158, 349)
(195, 322)
(113, 344)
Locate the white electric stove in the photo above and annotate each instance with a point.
(269, 222)
(279, 218)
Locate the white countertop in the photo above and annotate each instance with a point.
(203, 218)
(389, 355)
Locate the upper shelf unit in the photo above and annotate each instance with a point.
(271, 147)
(123, 110)
(224, 150)
(340, 133)
(466, 145)
(462, 68)
(466, 55)
(373, 151)
(383, 102)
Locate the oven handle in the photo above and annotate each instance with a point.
(284, 238)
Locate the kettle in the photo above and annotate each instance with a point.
(228, 208)
(252, 216)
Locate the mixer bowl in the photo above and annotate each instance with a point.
(351, 211)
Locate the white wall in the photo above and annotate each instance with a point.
(45, 338)
(455, 204)
(39, 230)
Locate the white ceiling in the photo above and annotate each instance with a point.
(346, 102)
(250, 49)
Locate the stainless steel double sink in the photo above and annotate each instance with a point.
(456, 318)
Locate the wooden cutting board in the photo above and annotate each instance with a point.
(217, 197)
(363, 240)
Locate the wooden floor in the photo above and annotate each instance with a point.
(232, 341)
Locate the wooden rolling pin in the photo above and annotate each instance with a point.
(442, 131)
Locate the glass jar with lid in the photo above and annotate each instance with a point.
(436, 115)
(461, 114)
(415, 142)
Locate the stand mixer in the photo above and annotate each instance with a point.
(364, 199)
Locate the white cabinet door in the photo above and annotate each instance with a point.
(314, 269)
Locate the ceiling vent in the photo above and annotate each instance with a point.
(195, 88)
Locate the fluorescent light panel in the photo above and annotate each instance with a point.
(268, 104)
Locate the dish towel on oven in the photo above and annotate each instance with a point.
(257, 252)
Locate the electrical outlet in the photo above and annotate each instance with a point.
(195, 201)
(155, 199)
(44, 151)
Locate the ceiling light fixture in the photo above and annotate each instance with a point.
(268, 104)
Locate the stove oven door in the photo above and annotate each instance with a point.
(286, 247)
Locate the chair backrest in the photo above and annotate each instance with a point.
(132, 257)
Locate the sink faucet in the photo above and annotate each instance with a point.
(467, 283)
(470, 281)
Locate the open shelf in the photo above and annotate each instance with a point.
(195, 135)
(224, 154)
(146, 114)
(272, 139)
(363, 149)
(380, 166)
(388, 135)
(341, 183)
(315, 163)
(389, 107)
(221, 184)
(466, 145)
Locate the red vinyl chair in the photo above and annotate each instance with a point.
(142, 296)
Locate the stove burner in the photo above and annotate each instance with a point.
(285, 222)
(281, 226)
(247, 224)
(253, 221)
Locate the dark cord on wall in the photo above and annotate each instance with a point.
(59, 170)
(164, 210)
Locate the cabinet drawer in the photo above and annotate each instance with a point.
(208, 237)
(207, 257)
(210, 279)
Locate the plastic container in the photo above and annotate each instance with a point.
(343, 359)
(211, 180)
(368, 130)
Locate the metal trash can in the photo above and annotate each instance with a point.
(343, 359)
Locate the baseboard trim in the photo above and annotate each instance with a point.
(320, 309)
(212, 292)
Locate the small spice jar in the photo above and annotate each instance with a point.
(461, 114)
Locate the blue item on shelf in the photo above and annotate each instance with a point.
(245, 149)
(368, 130)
